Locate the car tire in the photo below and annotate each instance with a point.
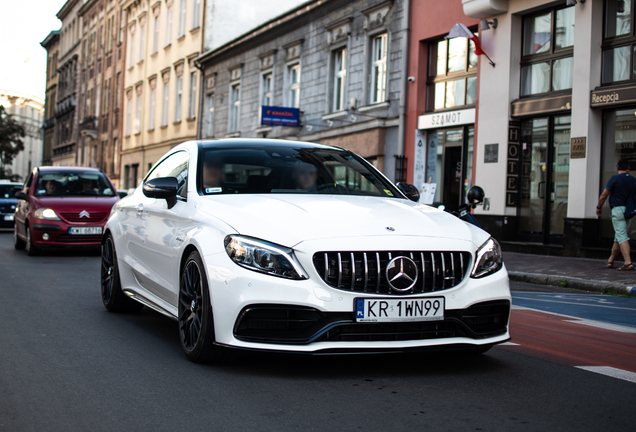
(196, 323)
(113, 297)
(18, 243)
(31, 250)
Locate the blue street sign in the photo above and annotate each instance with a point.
(280, 116)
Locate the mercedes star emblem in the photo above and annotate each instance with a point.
(401, 273)
(390, 229)
(84, 214)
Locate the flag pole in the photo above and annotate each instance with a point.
(492, 63)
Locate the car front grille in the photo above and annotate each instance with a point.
(67, 238)
(365, 272)
(299, 325)
(95, 217)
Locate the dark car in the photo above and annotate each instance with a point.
(8, 202)
(63, 207)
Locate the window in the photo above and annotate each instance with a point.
(619, 42)
(153, 100)
(131, 51)
(138, 111)
(196, 12)
(168, 26)
(175, 165)
(266, 89)
(115, 169)
(193, 95)
(117, 96)
(182, 18)
(155, 34)
(142, 42)
(166, 99)
(106, 94)
(378, 69)
(547, 62)
(235, 106)
(179, 92)
(293, 92)
(452, 71)
(340, 79)
(128, 115)
(208, 126)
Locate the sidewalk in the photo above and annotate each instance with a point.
(580, 273)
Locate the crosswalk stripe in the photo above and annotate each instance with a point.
(611, 372)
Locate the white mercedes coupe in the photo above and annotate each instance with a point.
(286, 246)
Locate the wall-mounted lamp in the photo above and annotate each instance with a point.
(573, 2)
(485, 24)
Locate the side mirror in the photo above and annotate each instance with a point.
(162, 187)
(20, 195)
(410, 191)
(475, 195)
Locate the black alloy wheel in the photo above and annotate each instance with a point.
(18, 243)
(196, 325)
(113, 297)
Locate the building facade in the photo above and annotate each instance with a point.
(339, 63)
(51, 44)
(555, 114)
(100, 88)
(442, 102)
(64, 152)
(29, 112)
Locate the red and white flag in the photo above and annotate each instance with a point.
(460, 30)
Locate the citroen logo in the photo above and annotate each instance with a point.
(84, 214)
(401, 272)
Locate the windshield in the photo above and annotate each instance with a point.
(8, 191)
(272, 169)
(74, 183)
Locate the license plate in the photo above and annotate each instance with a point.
(85, 230)
(393, 310)
(8, 217)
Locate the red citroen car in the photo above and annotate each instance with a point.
(62, 207)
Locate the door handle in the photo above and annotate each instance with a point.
(539, 190)
(139, 208)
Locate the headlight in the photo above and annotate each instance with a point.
(46, 213)
(488, 259)
(263, 257)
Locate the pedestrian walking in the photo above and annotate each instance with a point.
(620, 189)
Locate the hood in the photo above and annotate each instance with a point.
(71, 204)
(290, 219)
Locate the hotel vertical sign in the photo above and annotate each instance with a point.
(512, 167)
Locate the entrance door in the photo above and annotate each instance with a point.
(452, 177)
(545, 166)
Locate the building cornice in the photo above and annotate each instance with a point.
(68, 6)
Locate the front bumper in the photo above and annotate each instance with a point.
(59, 237)
(261, 312)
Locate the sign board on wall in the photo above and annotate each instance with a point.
(577, 148)
(446, 119)
(512, 168)
(491, 153)
(280, 116)
(615, 96)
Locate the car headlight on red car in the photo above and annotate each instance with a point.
(46, 213)
(263, 257)
(488, 259)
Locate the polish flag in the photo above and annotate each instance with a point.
(460, 30)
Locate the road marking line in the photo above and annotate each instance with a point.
(606, 326)
(611, 372)
(570, 303)
(509, 343)
(588, 322)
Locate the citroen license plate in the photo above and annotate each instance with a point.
(395, 310)
(85, 230)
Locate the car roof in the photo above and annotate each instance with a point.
(266, 142)
(67, 168)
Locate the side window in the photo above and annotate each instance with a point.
(175, 165)
(27, 184)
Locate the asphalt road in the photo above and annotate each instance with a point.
(67, 364)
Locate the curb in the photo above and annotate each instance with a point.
(582, 284)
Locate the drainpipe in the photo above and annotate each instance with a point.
(403, 83)
(201, 100)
